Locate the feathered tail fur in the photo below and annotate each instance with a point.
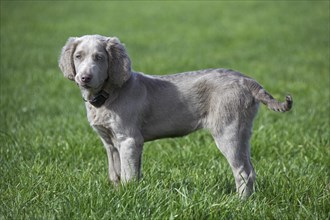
(261, 95)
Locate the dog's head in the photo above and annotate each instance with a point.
(92, 59)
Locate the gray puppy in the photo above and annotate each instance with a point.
(127, 108)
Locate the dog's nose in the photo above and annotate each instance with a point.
(86, 78)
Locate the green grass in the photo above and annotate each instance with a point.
(53, 166)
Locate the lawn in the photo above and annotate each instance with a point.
(53, 166)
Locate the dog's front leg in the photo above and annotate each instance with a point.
(113, 162)
(130, 158)
(113, 156)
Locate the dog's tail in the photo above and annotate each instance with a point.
(261, 95)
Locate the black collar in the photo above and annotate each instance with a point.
(99, 99)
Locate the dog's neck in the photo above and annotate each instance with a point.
(98, 96)
(98, 99)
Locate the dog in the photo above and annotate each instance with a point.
(128, 108)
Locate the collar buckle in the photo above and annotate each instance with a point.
(99, 99)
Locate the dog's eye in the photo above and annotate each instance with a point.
(78, 56)
(98, 57)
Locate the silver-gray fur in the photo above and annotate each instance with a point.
(137, 108)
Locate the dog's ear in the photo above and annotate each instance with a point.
(66, 59)
(119, 63)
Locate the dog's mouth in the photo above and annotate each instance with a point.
(89, 87)
(84, 85)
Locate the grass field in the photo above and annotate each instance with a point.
(53, 166)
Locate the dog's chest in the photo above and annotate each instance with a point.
(99, 116)
(101, 120)
(105, 121)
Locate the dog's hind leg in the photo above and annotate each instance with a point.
(233, 142)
